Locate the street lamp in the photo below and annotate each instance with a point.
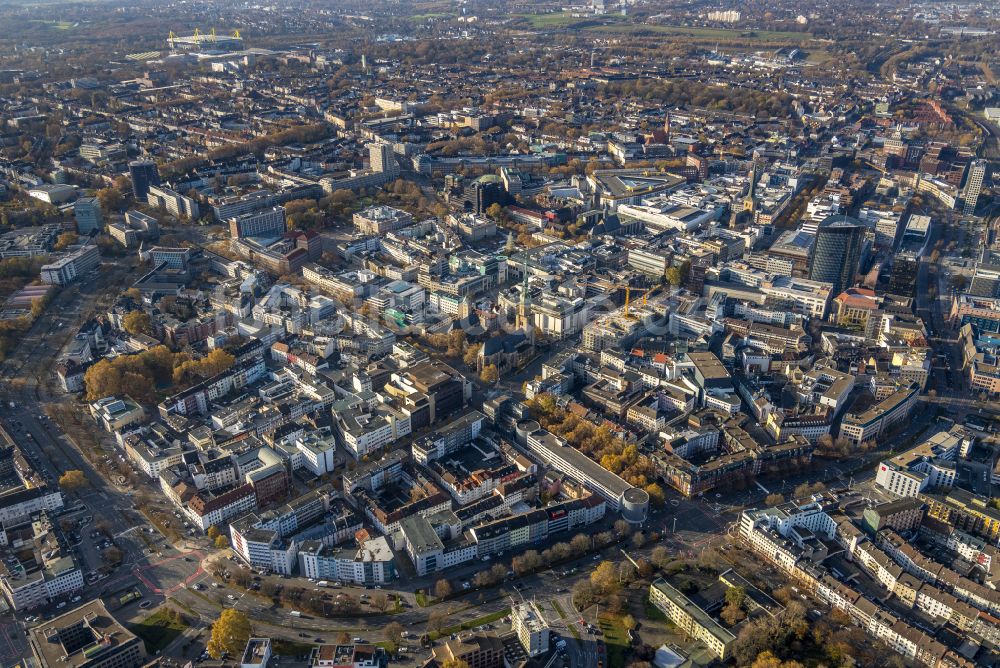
(675, 525)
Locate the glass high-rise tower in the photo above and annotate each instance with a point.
(837, 251)
(144, 174)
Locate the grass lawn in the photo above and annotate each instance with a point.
(616, 640)
(422, 599)
(652, 612)
(434, 15)
(58, 25)
(706, 33)
(158, 630)
(555, 20)
(290, 647)
(562, 614)
(472, 623)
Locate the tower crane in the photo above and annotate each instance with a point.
(628, 296)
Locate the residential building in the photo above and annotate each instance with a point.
(531, 627)
(71, 266)
(691, 619)
(174, 203)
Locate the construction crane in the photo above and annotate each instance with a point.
(628, 296)
(213, 34)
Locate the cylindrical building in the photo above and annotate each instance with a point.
(525, 427)
(635, 505)
(837, 252)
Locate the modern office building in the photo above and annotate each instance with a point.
(144, 174)
(381, 219)
(176, 258)
(87, 211)
(136, 227)
(266, 223)
(903, 275)
(837, 251)
(973, 186)
(874, 422)
(85, 637)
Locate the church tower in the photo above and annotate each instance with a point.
(523, 322)
(750, 201)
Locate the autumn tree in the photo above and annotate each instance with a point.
(454, 663)
(214, 532)
(580, 543)
(72, 479)
(438, 619)
(656, 495)
(490, 374)
(102, 380)
(673, 276)
(221, 542)
(137, 322)
(732, 613)
(230, 633)
(773, 499)
(472, 354)
(112, 556)
(526, 563)
(442, 588)
(806, 489)
(604, 579)
(584, 594)
(111, 199)
(65, 239)
(457, 341)
(380, 601)
(393, 632)
(767, 659)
